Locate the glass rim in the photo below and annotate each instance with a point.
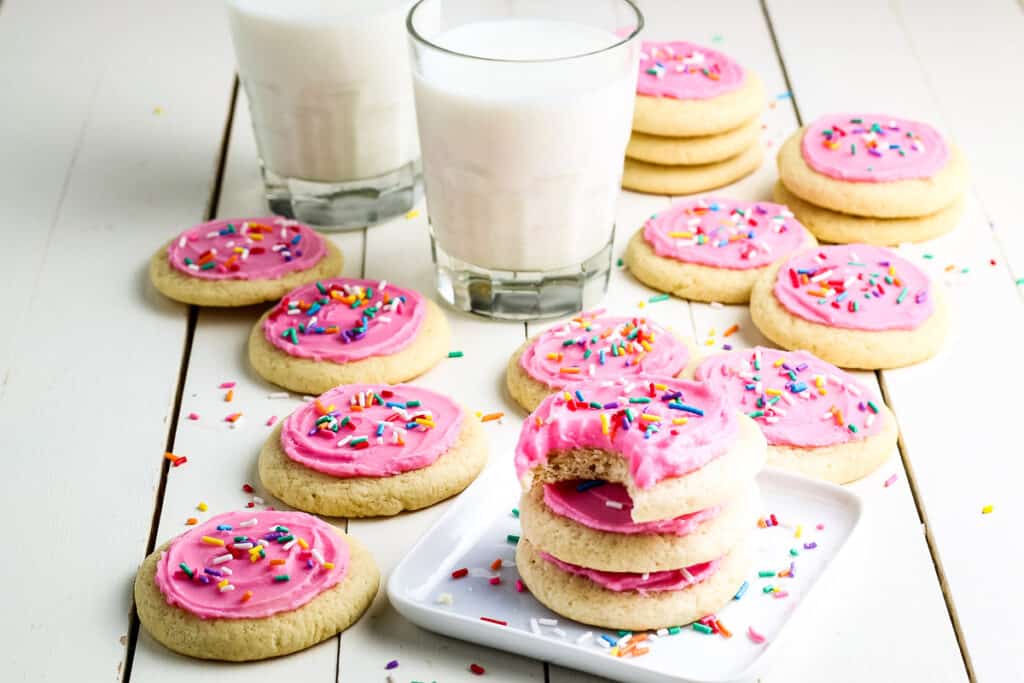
(411, 30)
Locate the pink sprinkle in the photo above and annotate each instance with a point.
(193, 416)
(819, 526)
(226, 385)
(754, 636)
(891, 480)
(495, 580)
(519, 586)
(271, 420)
(781, 594)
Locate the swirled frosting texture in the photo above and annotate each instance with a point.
(796, 398)
(685, 71)
(873, 148)
(606, 506)
(724, 233)
(246, 249)
(246, 565)
(596, 347)
(343, 320)
(362, 430)
(662, 427)
(856, 287)
(653, 582)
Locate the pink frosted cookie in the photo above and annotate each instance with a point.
(686, 90)
(592, 346)
(819, 420)
(344, 331)
(253, 585)
(675, 446)
(857, 306)
(242, 261)
(713, 249)
(872, 165)
(365, 450)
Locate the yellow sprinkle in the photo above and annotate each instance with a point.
(567, 396)
(222, 583)
(604, 424)
(711, 332)
(649, 418)
(709, 342)
(157, 111)
(328, 565)
(819, 381)
(778, 363)
(987, 509)
(640, 304)
(614, 652)
(661, 387)
(202, 507)
(773, 392)
(799, 531)
(210, 540)
(647, 347)
(680, 420)
(680, 234)
(302, 543)
(412, 214)
(478, 413)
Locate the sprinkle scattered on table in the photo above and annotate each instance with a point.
(393, 664)
(891, 480)
(987, 510)
(202, 506)
(477, 669)
(193, 416)
(272, 420)
(412, 214)
(455, 354)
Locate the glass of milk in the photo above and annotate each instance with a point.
(330, 93)
(524, 110)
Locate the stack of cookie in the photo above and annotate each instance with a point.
(638, 500)
(695, 124)
(872, 178)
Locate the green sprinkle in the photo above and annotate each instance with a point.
(184, 568)
(674, 630)
(568, 342)
(659, 297)
(623, 634)
(1019, 281)
(965, 270)
(281, 578)
(874, 408)
(619, 263)
(241, 539)
(188, 261)
(208, 265)
(587, 354)
(902, 296)
(853, 149)
(639, 399)
(856, 120)
(323, 290)
(282, 529)
(765, 573)
(513, 539)
(358, 440)
(455, 354)
(706, 630)
(285, 539)
(767, 589)
(756, 414)
(412, 404)
(515, 512)
(794, 552)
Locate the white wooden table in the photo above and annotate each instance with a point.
(120, 124)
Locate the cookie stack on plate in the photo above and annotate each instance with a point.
(872, 178)
(638, 500)
(695, 124)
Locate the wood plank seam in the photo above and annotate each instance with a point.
(186, 354)
(911, 482)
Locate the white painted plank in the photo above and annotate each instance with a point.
(94, 181)
(942, 424)
(222, 458)
(399, 251)
(971, 55)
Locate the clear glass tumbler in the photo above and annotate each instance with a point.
(330, 92)
(524, 110)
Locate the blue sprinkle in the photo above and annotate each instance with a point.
(589, 484)
(742, 591)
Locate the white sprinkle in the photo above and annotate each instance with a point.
(248, 522)
(869, 420)
(309, 399)
(445, 599)
(242, 546)
(645, 576)
(262, 542)
(585, 638)
(534, 628)
(852, 389)
(559, 632)
(547, 622)
(228, 587)
(662, 632)
(227, 557)
(317, 555)
(181, 242)
(289, 545)
(257, 500)
(344, 441)
(687, 575)
(603, 643)
(614, 504)
(227, 571)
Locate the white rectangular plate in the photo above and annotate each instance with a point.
(473, 533)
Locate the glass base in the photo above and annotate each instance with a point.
(343, 206)
(521, 295)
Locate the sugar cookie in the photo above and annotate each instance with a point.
(592, 346)
(713, 249)
(856, 306)
(704, 149)
(242, 261)
(365, 450)
(344, 331)
(253, 585)
(679, 180)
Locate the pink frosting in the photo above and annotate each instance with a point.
(363, 430)
(686, 71)
(653, 582)
(724, 233)
(246, 249)
(854, 286)
(592, 347)
(223, 578)
(796, 398)
(606, 506)
(686, 426)
(342, 320)
(873, 148)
